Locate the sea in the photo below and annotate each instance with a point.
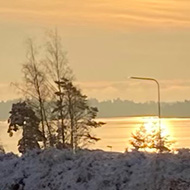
(116, 133)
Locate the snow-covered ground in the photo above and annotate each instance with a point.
(94, 170)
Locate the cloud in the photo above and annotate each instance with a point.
(8, 92)
(123, 14)
(139, 91)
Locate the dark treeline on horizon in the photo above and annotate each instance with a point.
(123, 108)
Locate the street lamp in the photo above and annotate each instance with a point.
(159, 110)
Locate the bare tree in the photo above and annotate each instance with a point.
(35, 88)
(56, 64)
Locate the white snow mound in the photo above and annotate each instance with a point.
(54, 169)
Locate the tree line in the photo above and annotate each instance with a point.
(54, 112)
(123, 108)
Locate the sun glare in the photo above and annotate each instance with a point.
(152, 123)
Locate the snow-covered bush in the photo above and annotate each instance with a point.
(54, 169)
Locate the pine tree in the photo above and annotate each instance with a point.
(22, 116)
(150, 139)
(78, 115)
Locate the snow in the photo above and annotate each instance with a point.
(54, 169)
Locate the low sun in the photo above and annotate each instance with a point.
(151, 123)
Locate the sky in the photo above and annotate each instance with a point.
(106, 42)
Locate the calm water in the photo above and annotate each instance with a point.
(117, 132)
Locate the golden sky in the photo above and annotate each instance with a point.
(107, 41)
(107, 13)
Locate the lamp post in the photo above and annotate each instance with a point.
(158, 102)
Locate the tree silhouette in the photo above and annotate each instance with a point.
(145, 139)
(78, 115)
(22, 116)
(56, 65)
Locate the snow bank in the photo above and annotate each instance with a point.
(94, 170)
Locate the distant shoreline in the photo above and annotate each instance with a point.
(141, 116)
(124, 108)
(133, 116)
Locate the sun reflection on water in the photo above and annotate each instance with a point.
(150, 122)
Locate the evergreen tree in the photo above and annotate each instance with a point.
(78, 115)
(145, 139)
(22, 116)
